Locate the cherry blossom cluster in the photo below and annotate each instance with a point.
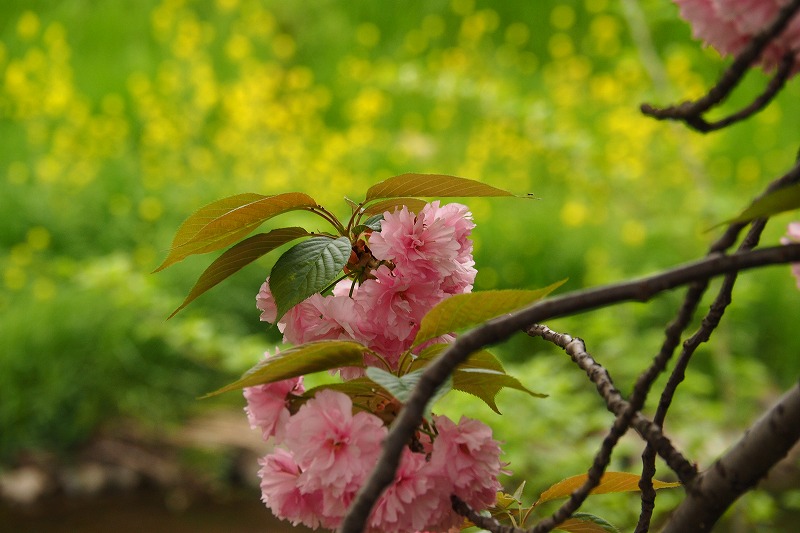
(729, 25)
(323, 452)
(420, 259)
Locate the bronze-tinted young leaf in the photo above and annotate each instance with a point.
(586, 523)
(610, 482)
(226, 221)
(462, 311)
(307, 268)
(425, 185)
(378, 208)
(481, 375)
(200, 218)
(239, 256)
(784, 199)
(298, 361)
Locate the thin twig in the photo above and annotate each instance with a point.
(626, 416)
(597, 373)
(673, 334)
(501, 328)
(486, 522)
(691, 112)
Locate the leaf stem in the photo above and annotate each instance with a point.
(330, 217)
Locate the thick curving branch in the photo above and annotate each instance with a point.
(691, 112)
(764, 444)
(501, 328)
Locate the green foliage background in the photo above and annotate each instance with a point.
(118, 119)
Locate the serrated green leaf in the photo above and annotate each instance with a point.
(402, 387)
(378, 208)
(425, 185)
(225, 221)
(373, 223)
(610, 482)
(783, 199)
(307, 268)
(462, 311)
(298, 361)
(481, 375)
(586, 523)
(237, 257)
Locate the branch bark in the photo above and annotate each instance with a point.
(501, 328)
(691, 112)
(766, 443)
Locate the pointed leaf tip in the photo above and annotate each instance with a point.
(298, 361)
(462, 311)
(225, 221)
(426, 185)
(237, 257)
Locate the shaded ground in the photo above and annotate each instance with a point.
(135, 512)
(199, 478)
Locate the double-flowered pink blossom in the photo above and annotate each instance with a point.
(728, 25)
(324, 452)
(793, 236)
(266, 405)
(424, 258)
(329, 451)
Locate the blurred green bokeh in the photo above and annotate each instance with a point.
(118, 119)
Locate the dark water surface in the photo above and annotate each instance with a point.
(142, 512)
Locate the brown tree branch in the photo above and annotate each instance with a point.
(503, 327)
(486, 522)
(763, 445)
(650, 432)
(691, 112)
(627, 414)
(673, 333)
(708, 325)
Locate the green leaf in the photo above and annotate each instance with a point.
(586, 523)
(610, 482)
(372, 223)
(784, 199)
(481, 375)
(239, 256)
(307, 268)
(378, 208)
(225, 221)
(298, 361)
(462, 311)
(402, 387)
(439, 185)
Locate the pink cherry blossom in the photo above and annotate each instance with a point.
(397, 301)
(468, 456)
(408, 504)
(793, 236)
(728, 25)
(266, 405)
(334, 448)
(419, 243)
(280, 491)
(266, 303)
